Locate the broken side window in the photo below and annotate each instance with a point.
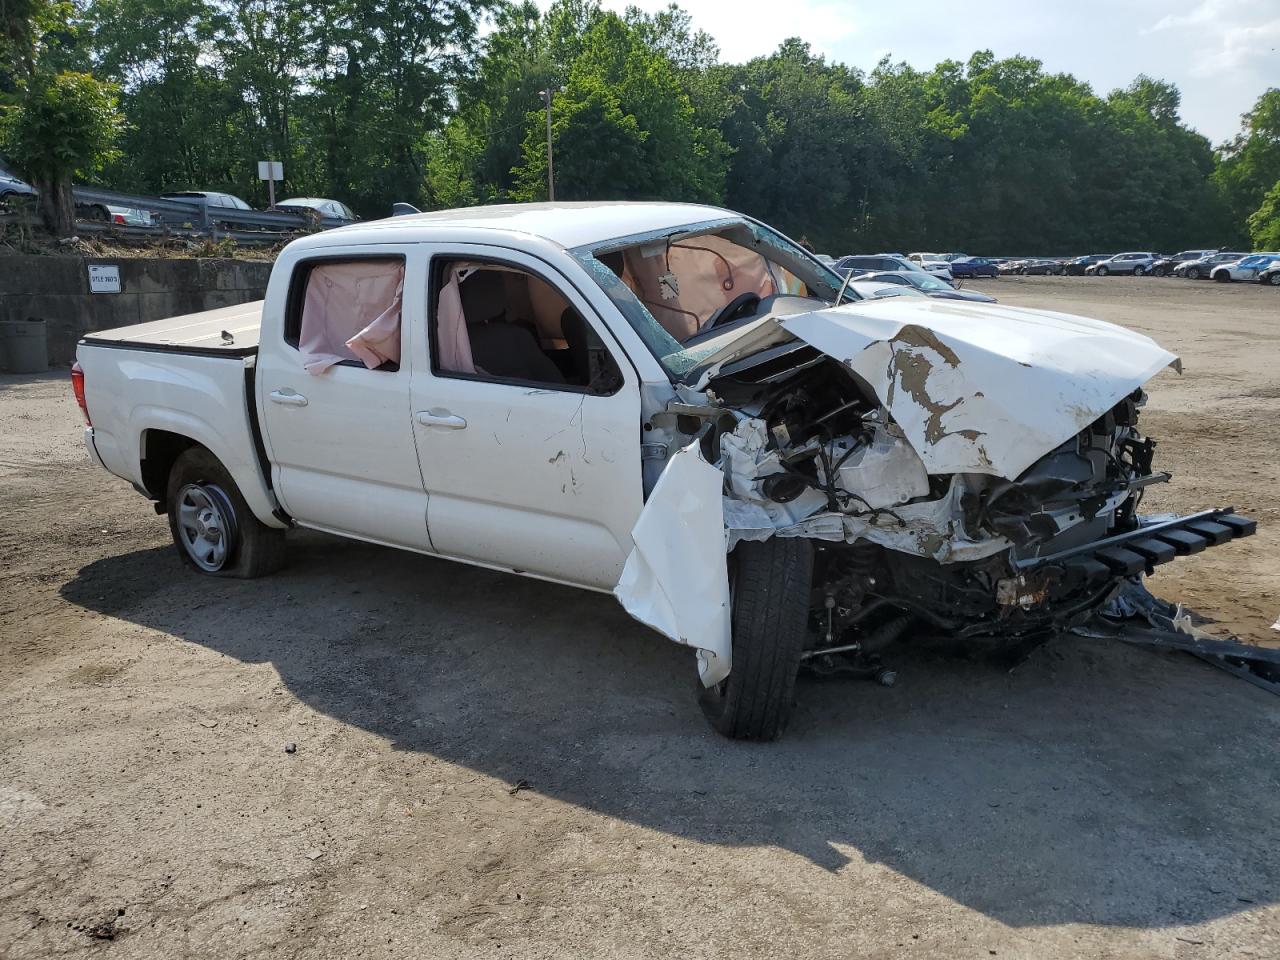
(494, 321)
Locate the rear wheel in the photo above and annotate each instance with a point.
(213, 528)
(1137, 271)
(1222, 276)
(1274, 280)
(1157, 272)
(771, 582)
(1193, 273)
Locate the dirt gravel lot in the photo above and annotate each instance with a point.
(491, 766)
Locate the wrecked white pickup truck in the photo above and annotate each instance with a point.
(673, 403)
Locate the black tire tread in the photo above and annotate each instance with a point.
(261, 549)
(770, 618)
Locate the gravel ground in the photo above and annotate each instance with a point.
(492, 766)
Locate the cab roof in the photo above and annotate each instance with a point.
(568, 225)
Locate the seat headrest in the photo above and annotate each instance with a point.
(484, 296)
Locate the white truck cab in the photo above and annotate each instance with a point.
(670, 402)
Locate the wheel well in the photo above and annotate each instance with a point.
(160, 449)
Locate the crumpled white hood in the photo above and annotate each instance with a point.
(983, 388)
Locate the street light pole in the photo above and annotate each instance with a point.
(551, 170)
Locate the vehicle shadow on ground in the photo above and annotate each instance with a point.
(1094, 783)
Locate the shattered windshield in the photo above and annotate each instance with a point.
(689, 291)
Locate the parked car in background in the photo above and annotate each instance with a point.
(1271, 275)
(867, 263)
(1166, 265)
(926, 284)
(1131, 263)
(12, 187)
(878, 290)
(331, 209)
(973, 267)
(130, 216)
(1246, 268)
(209, 198)
(1077, 266)
(1200, 269)
(933, 264)
(1040, 267)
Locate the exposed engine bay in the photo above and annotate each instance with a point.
(816, 455)
(961, 480)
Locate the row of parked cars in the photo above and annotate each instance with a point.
(1222, 265)
(876, 276)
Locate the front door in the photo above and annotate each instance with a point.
(529, 437)
(341, 439)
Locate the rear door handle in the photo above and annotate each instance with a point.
(288, 398)
(440, 418)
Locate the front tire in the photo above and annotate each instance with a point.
(1193, 273)
(1158, 272)
(1222, 276)
(213, 529)
(771, 582)
(1101, 272)
(1274, 280)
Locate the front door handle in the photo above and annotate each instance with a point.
(440, 418)
(288, 398)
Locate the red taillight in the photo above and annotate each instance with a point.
(77, 386)
(118, 218)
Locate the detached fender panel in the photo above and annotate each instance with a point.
(676, 577)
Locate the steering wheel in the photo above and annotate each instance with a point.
(734, 308)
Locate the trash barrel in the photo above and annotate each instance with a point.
(24, 346)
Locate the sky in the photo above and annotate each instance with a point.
(1222, 54)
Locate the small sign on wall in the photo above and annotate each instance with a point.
(104, 278)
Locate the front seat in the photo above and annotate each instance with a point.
(504, 349)
(500, 348)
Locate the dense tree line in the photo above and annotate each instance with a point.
(373, 101)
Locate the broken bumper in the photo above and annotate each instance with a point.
(1135, 552)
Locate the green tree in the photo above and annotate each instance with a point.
(1250, 163)
(64, 125)
(182, 132)
(1264, 223)
(623, 95)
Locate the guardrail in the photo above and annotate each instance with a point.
(206, 216)
(184, 218)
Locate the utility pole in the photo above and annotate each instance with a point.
(551, 170)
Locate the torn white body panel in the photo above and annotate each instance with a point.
(929, 528)
(883, 473)
(676, 578)
(983, 388)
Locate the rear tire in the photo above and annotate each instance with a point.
(1222, 277)
(1274, 280)
(214, 531)
(1193, 273)
(1137, 271)
(1158, 272)
(771, 583)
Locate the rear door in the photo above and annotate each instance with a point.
(340, 440)
(525, 474)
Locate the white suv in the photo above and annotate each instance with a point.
(1246, 268)
(1133, 263)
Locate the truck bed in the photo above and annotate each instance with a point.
(198, 333)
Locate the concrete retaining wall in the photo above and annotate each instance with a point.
(56, 289)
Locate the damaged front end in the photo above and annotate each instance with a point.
(970, 479)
